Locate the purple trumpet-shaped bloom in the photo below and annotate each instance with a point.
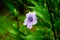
(30, 20)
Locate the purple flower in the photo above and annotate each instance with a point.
(30, 20)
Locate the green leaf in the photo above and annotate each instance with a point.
(30, 37)
(43, 14)
(57, 26)
(13, 10)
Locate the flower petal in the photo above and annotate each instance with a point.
(25, 22)
(31, 14)
(29, 26)
(28, 14)
(34, 22)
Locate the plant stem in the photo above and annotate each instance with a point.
(53, 29)
(51, 19)
(18, 27)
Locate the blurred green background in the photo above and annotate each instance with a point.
(13, 14)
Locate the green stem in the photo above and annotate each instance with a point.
(51, 19)
(18, 27)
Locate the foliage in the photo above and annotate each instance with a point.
(12, 16)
